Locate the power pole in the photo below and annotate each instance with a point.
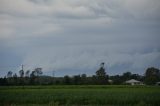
(22, 77)
(22, 66)
(53, 73)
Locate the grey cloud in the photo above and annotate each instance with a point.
(78, 35)
(88, 58)
(83, 8)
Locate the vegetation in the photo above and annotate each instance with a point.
(71, 95)
(152, 76)
(78, 90)
(101, 77)
(36, 77)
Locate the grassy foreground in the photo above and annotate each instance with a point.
(72, 95)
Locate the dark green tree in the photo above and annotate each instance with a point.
(83, 79)
(35, 76)
(15, 78)
(76, 79)
(117, 79)
(126, 76)
(26, 78)
(101, 76)
(27, 73)
(21, 79)
(32, 78)
(38, 72)
(67, 80)
(9, 74)
(152, 76)
(3, 81)
(10, 78)
(21, 73)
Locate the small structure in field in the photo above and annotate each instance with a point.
(134, 82)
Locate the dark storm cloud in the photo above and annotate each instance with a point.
(78, 35)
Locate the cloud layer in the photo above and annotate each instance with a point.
(73, 37)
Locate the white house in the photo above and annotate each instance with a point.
(134, 82)
(110, 81)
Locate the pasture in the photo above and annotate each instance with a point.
(80, 95)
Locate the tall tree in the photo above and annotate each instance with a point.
(15, 78)
(101, 75)
(21, 73)
(32, 78)
(152, 76)
(126, 76)
(38, 71)
(76, 79)
(35, 76)
(21, 79)
(9, 74)
(83, 79)
(27, 73)
(67, 80)
(9, 78)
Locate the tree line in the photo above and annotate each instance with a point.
(36, 77)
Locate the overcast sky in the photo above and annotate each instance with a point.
(75, 36)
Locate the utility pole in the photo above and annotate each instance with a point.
(53, 73)
(22, 66)
(22, 77)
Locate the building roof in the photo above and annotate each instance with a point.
(132, 81)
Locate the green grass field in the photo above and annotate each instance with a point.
(88, 95)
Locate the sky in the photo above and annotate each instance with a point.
(70, 37)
